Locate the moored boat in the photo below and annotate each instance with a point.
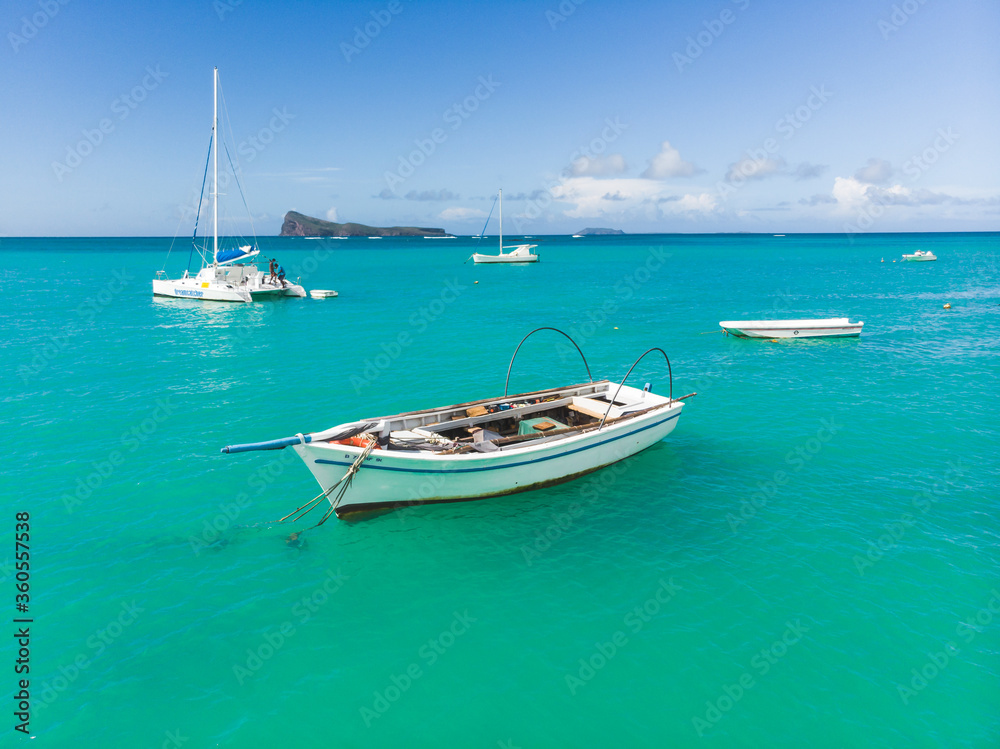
(920, 256)
(521, 253)
(226, 275)
(831, 327)
(484, 448)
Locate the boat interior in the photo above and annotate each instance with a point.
(508, 423)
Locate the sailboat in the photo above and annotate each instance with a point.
(225, 275)
(521, 253)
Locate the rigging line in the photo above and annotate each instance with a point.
(483, 232)
(201, 198)
(240, 188)
(180, 218)
(229, 125)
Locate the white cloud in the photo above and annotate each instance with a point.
(331, 215)
(876, 172)
(597, 166)
(458, 213)
(851, 193)
(668, 163)
(701, 203)
(593, 198)
(747, 168)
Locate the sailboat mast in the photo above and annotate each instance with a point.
(501, 221)
(215, 174)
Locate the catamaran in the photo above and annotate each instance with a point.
(484, 448)
(228, 276)
(520, 253)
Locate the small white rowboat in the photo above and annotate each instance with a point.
(322, 293)
(485, 448)
(831, 327)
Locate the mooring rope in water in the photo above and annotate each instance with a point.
(343, 483)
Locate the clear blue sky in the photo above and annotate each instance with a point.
(742, 115)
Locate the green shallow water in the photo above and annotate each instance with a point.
(822, 522)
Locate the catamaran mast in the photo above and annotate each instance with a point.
(215, 175)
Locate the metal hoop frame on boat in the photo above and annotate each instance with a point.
(510, 366)
(669, 371)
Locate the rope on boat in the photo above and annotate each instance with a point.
(344, 483)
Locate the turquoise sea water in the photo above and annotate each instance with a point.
(810, 559)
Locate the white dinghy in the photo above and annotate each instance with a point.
(226, 275)
(520, 253)
(485, 448)
(831, 327)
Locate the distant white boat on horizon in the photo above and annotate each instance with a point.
(920, 256)
(831, 327)
(521, 253)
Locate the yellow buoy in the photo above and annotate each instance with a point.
(883, 260)
(476, 281)
(616, 327)
(947, 306)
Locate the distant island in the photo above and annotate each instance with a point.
(299, 225)
(587, 231)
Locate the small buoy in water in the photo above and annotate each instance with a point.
(616, 327)
(476, 282)
(774, 340)
(947, 306)
(883, 260)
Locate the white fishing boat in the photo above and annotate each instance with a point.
(520, 253)
(484, 448)
(226, 275)
(322, 293)
(920, 256)
(831, 327)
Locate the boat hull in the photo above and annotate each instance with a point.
(392, 479)
(504, 258)
(189, 288)
(830, 328)
(194, 287)
(919, 258)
